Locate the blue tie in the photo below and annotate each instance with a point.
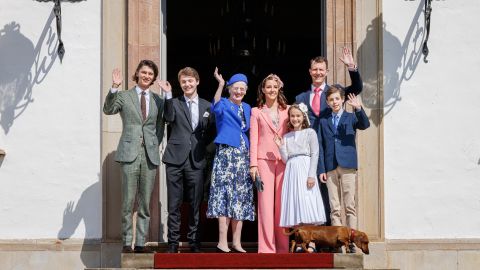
(335, 121)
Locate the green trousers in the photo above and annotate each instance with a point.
(138, 180)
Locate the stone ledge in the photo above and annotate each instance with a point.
(341, 260)
(132, 260)
(112, 269)
(50, 245)
(432, 244)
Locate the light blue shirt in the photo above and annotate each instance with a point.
(193, 109)
(339, 114)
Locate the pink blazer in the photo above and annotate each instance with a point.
(262, 133)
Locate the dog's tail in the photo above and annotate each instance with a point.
(289, 231)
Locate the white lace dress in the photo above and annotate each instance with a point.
(300, 205)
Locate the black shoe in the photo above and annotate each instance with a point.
(195, 248)
(336, 250)
(219, 250)
(127, 249)
(142, 249)
(172, 248)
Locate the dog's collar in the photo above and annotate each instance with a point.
(352, 235)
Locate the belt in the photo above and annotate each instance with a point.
(298, 155)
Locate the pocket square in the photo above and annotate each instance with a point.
(206, 114)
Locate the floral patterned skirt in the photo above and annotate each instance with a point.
(231, 189)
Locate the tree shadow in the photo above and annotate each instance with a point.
(400, 61)
(23, 65)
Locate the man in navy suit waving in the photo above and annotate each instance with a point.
(316, 101)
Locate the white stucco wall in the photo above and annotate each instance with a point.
(432, 126)
(50, 177)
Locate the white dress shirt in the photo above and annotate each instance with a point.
(168, 95)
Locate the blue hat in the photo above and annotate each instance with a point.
(239, 77)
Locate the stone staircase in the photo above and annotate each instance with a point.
(209, 258)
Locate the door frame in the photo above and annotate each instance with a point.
(125, 41)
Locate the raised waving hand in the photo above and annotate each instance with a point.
(354, 101)
(221, 84)
(116, 78)
(347, 58)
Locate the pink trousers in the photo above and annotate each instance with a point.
(270, 236)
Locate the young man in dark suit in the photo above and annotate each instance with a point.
(316, 102)
(191, 130)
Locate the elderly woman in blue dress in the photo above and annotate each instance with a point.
(231, 190)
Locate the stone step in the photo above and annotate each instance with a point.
(142, 261)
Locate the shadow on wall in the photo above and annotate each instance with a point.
(22, 66)
(95, 252)
(400, 60)
(87, 211)
(2, 156)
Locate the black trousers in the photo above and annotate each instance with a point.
(184, 178)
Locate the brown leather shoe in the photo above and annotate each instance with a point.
(127, 249)
(142, 249)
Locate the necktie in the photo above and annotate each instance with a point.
(335, 121)
(316, 101)
(143, 105)
(190, 107)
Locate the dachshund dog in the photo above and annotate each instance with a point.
(328, 236)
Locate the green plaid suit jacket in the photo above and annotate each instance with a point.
(135, 131)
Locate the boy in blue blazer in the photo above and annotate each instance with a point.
(338, 131)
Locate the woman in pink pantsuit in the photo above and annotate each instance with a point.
(269, 119)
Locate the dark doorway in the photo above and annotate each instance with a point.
(255, 37)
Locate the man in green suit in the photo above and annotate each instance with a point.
(141, 111)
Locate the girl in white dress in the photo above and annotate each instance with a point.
(301, 199)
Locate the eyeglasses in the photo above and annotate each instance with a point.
(239, 89)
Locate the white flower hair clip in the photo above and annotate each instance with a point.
(303, 108)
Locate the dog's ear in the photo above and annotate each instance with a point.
(365, 248)
(363, 239)
(361, 236)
